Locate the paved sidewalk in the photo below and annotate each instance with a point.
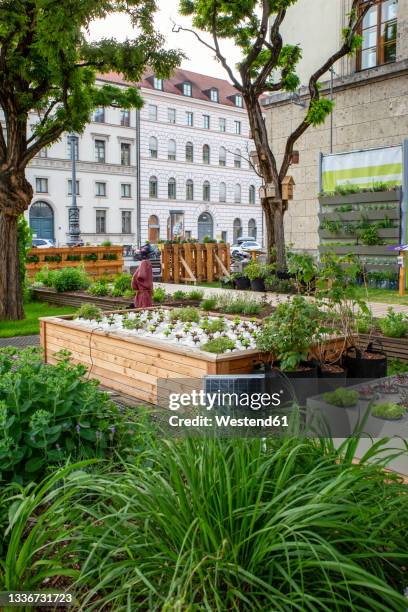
(378, 309)
(20, 341)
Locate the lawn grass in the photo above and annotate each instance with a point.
(386, 296)
(30, 325)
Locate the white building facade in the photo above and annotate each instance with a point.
(195, 177)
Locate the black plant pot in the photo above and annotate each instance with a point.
(242, 282)
(284, 275)
(258, 284)
(329, 380)
(296, 386)
(368, 365)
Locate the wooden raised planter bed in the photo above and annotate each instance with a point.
(77, 298)
(98, 269)
(362, 197)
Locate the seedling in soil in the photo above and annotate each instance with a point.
(179, 337)
(387, 387)
(111, 320)
(196, 339)
(367, 393)
(167, 332)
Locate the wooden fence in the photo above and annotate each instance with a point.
(98, 261)
(192, 262)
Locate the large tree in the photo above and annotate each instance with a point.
(47, 87)
(268, 65)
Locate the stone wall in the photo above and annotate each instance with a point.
(371, 111)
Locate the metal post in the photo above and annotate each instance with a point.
(331, 114)
(73, 212)
(138, 171)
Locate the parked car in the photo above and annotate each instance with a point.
(245, 246)
(42, 243)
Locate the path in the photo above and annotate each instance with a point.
(20, 341)
(378, 309)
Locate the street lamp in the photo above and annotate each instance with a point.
(73, 211)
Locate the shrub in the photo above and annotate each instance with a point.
(185, 314)
(73, 257)
(89, 312)
(389, 410)
(109, 256)
(209, 303)
(364, 323)
(342, 397)
(50, 413)
(68, 279)
(218, 345)
(239, 305)
(106, 243)
(99, 288)
(121, 284)
(32, 259)
(179, 295)
(90, 257)
(256, 269)
(45, 276)
(195, 294)
(396, 366)
(394, 325)
(159, 295)
(53, 258)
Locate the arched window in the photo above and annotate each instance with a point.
(206, 191)
(252, 228)
(205, 226)
(252, 194)
(223, 156)
(223, 192)
(237, 194)
(171, 189)
(153, 229)
(153, 192)
(237, 229)
(189, 190)
(206, 154)
(189, 152)
(153, 147)
(237, 158)
(171, 154)
(42, 220)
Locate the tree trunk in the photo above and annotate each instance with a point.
(11, 293)
(279, 235)
(270, 232)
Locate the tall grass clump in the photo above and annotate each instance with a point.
(225, 525)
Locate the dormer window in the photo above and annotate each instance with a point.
(187, 90)
(238, 101)
(158, 83)
(214, 96)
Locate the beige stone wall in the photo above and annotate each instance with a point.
(368, 114)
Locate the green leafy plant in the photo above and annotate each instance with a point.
(99, 288)
(32, 259)
(50, 413)
(239, 305)
(364, 323)
(53, 258)
(333, 227)
(289, 333)
(394, 325)
(90, 257)
(209, 303)
(389, 411)
(159, 295)
(109, 256)
(370, 236)
(89, 312)
(256, 269)
(189, 313)
(195, 294)
(106, 243)
(215, 325)
(304, 269)
(121, 284)
(72, 257)
(344, 398)
(179, 295)
(396, 366)
(218, 345)
(69, 279)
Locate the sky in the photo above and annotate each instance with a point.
(199, 58)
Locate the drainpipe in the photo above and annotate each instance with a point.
(138, 199)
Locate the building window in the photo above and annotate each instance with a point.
(237, 229)
(126, 222)
(187, 89)
(206, 154)
(252, 228)
(153, 147)
(70, 187)
(125, 153)
(99, 115)
(100, 189)
(171, 189)
(189, 152)
(237, 158)
(224, 236)
(41, 185)
(171, 115)
(206, 122)
(252, 194)
(223, 192)
(237, 194)
(214, 97)
(126, 190)
(100, 151)
(206, 191)
(222, 124)
(379, 33)
(153, 187)
(189, 190)
(237, 127)
(158, 83)
(171, 154)
(101, 221)
(152, 112)
(190, 118)
(238, 101)
(69, 148)
(223, 156)
(43, 152)
(125, 117)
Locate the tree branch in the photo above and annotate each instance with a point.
(43, 120)
(353, 25)
(258, 44)
(275, 47)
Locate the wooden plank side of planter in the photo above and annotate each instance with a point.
(394, 347)
(354, 215)
(362, 197)
(74, 299)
